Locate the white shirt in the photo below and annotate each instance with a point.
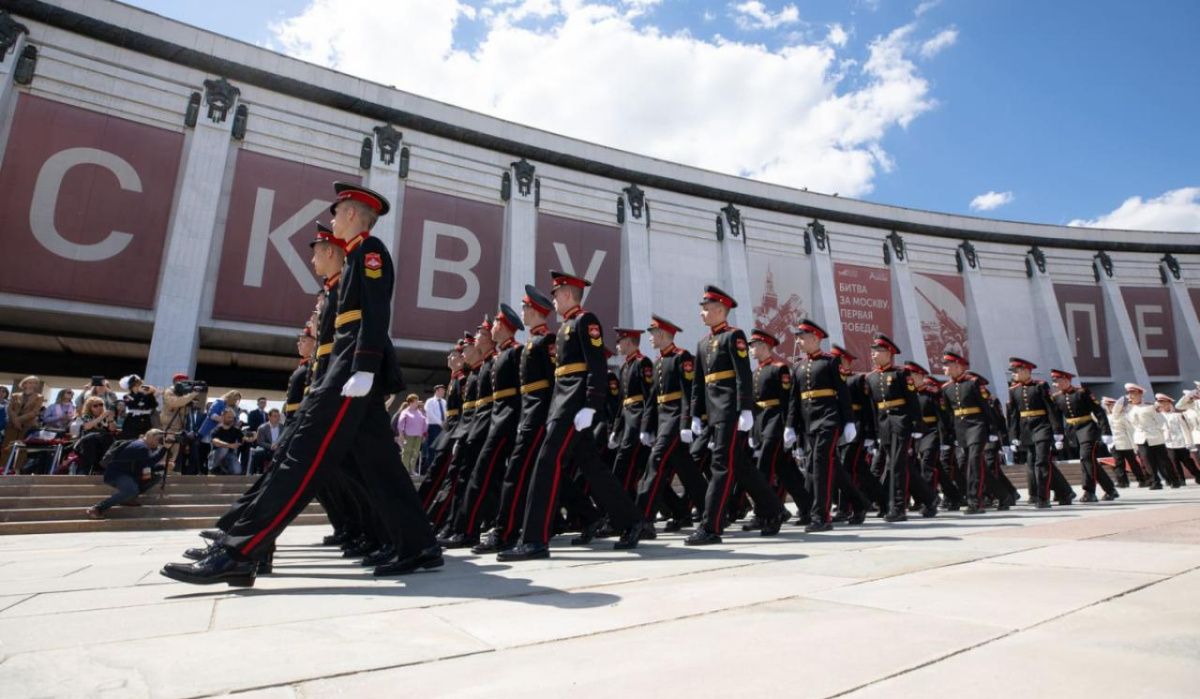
(274, 433)
(435, 411)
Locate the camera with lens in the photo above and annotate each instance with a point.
(182, 388)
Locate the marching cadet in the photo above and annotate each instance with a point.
(443, 446)
(853, 464)
(898, 424)
(454, 484)
(1123, 447)
(504, 414)
(1084, 422)
(1001, 488)
(344, 416)
(772, 393)
(607, 420)
(660, 430)
(726, 396)
(938, 427)
(535, 372)
(579, 390)
(820, 409)
(634, 382)
(1034, 424)
(1148, 434)
(968, 399)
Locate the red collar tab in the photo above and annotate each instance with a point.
(539, 330)
(720, 327)
(332, 281)
(668, 351)
(573, 313)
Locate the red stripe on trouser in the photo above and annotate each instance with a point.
(437, 484)
(662, 465)
(719, 521)
(529, 454)
(631, 465)
(487, 479)
(829, 477)
(554, 487)
(312, 468)
(441, 515)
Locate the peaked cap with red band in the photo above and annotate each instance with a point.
(344, 191)
(563, 279)
(632, 333)
(660, 323)
(536, 300)
(916, 368)
(325, 235)
(486, 323)
(807, 326)
(468, 338)
(713, 294)
(510, 318)
(1018, 363)
(949, 356)
(1060, 374)
(883, 342)
(759, 335)
(1134, 387)
(841, 353)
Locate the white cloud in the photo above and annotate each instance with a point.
(1177, 210)
(837, 36)
(800, 115)
(926, 7)
(991, 200)
(754, 15)
(943, 40)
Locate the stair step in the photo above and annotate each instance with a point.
(43, 500)
(173, 478)
(147, 511)
(146, 524)
(69, 488)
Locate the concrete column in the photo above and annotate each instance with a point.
(825, 298)
(1125, 357)
(1187, 330)
(982, 338)
(906, 317)
(1058, 351)
(517, 266)
(8, 89)
(637, 278)
(190, 243)
(735, 268)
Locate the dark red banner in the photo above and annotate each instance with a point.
(1082, 308)
(865, 304)
(590, 250)
(86, 204)
(941, 305)
(1149, 310)
(265, 274)
(447, 266)
(1194, 294)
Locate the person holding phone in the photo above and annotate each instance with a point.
(96, 433)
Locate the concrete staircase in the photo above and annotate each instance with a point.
(53, 504)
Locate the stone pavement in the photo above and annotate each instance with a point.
(1095, 600)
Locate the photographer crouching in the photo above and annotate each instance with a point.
(130, 468)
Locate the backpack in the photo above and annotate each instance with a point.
(111, 454)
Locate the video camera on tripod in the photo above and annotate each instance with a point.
(182, 388)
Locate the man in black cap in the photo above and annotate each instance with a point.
(1085, 423)
(725, 393)
(969, 398)
(442, 449)
(581, 382)
(938, 438)
(454, 486)
(852, 462)
(898, 424)
(344, 416)
(536, 377)
(772, 393)
(820, 409)
(635, 380)
(483, 489)
(671, 389)
(1033, 425)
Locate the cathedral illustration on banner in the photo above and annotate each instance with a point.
(775, 317)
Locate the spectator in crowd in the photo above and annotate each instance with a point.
(410, 431)
(3, 408)
(24, 411)
(181, 419)
(266, 441)
(435, 417)
(141, 402)
(254, 419)
(214, 414)
(131, 471)
(226, 440)
(58, 415)
(122, 412)
(99, 388)
(95, 434)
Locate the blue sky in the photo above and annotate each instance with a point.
(1066, 109)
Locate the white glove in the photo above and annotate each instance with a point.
(945, 449)
(358, 385)
(798, 453)
(583, 418)
(712, 444)
(850, 431)
(613, 441)
(916, 436)
(868, 443)
(646, 438)
(993, 438)
(687, 436)
(696, 426)
(1108, 440)
(454, 449)
(745, 421)
(1008, 454)
(789, 437)
(1016, 444)
(1058, 438)
(1058, 444)
(753, 443)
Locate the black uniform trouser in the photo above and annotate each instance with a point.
(896, 453)
(1037, 456)
(1000, 487)
(729, 464)
(1127, 458)
(562, 446)
(455, 492)
(1092, 473)
(630, 461)
(669, 457)
(331, 429)
(436, 473)
(853, 466)
(820, 459)
(483, 487)
(1157, 462)
(1186, 462)
(973, 462)
(781, 471)
(514, 487)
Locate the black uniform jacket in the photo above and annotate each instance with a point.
(820, 400)
(772, 390)
(670, 392)
(861, 405)
(581, 377)
(506, 386)
(969, 406)
(361, 340)
(1082, 414)
(1032, 415)
(894, 395)
(723, 367)
(536, 374)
